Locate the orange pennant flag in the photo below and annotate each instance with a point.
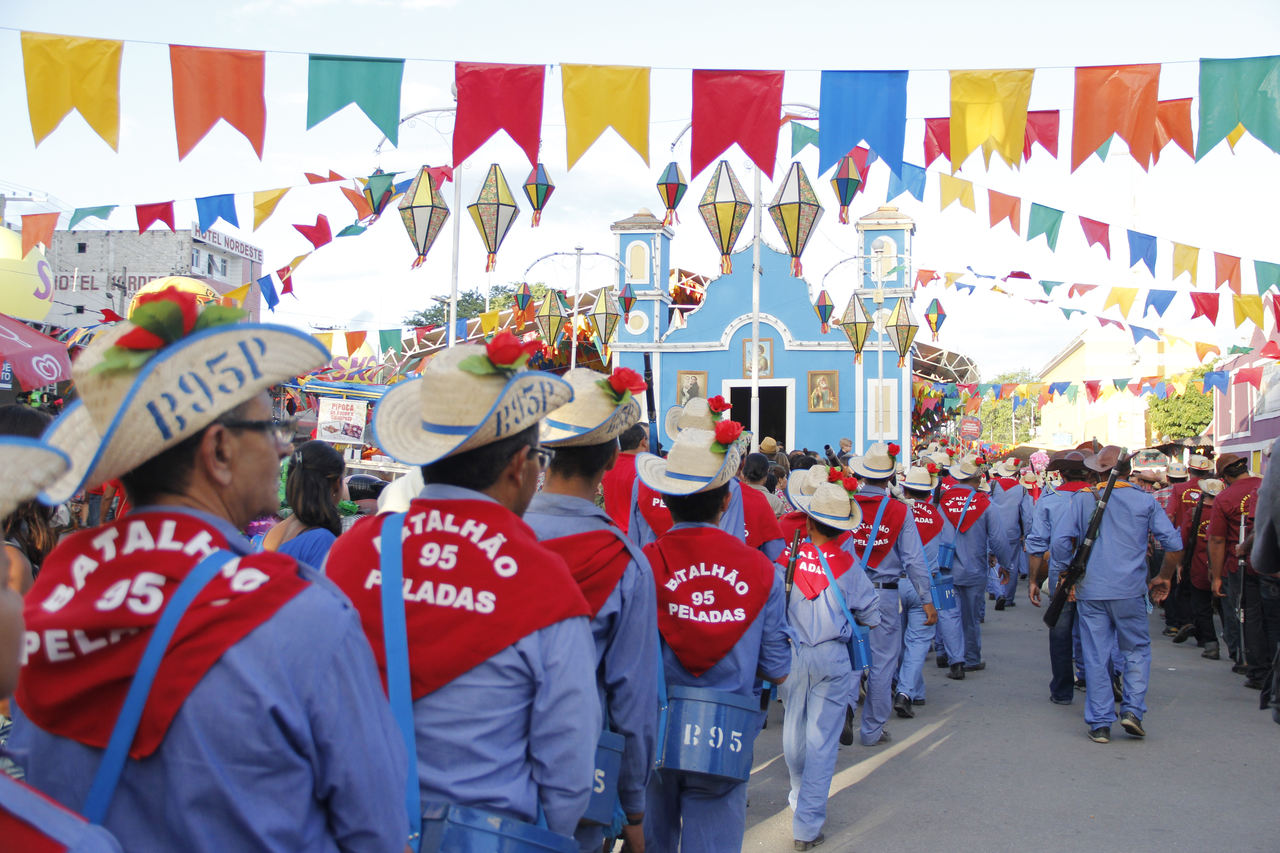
(1203, 349)
(1226, 268)
(358, 201)
(1115, 99)
(37, 228)
(211, 84)
(1173, 124)
(1005, 207)
(354, 341)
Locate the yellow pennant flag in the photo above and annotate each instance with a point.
(325, 339)
(956, 189)
(1203, 349)
(66, 73)
(989, 109)
(952, 277)
(239, 294)
(1247, 307)
(1107, 390)
(1185, 259)
(488, 321)
(1123, 297)
(1035, 389)
(1180, 383)
(597, 97)
(264, 204)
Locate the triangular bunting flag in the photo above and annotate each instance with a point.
(802, 135)
(371, 83)
(1185, 260)
(355, 340)
(855, 106)
(955, 189)
(1205, 305)
(1251, 375)
(1173, 124)
(212, 208)
(1159, 300)
(1098, 233)
(64, 74)
(1203, 349)
(264, 204)
(1117, 99)
(211, 84)
(989, 110)
(1046, 221)
(149, 214)
(1080, 290)
(318, 234)
(1226, 269)
(912, 180)
(239, 294)
(82, 213)
(1214, 379)
(1048, 286)
(1239, 92)
(1122, 297)
(1139, 333)
(597, 97)
(937, 139)
(1267, 275)
(1248, 307)
(267, 288)
(1042, 128)
(738, 107)
(1008, 207)
(38, 228)
(1142, 247)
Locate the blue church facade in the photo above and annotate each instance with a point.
(812, 390)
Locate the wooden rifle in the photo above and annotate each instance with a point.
(1189, 550)
(1072, 574)
(767, 692)
(1240, 569)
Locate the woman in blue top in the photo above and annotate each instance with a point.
(312, 490)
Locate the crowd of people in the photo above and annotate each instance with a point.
(561, 639)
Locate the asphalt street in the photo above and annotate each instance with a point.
(989, 764)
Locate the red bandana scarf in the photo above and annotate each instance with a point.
(17, 832)
(710, 589)
(1006, 483)
(790, 523)
(928, 520)
(596, 559)
(100, 594)
(761, 523)
(810, 578)
(952, 507)
(653, 510)
(895, 514)
(476, 580)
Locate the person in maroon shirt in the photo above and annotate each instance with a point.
(1195, 586)
(1234, 507)
(1179, 502)
(619, 479)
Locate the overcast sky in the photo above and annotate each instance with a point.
(1222, 203)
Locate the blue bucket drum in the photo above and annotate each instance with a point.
(710, 732)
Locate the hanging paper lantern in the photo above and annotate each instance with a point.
(538, 188)
(604, 318)
(494, 212)
(424, 213)
(796, 212)
(724, 207)
(845, 182)
(628, 300)
(902, 328)
(379, 189)
(935, 317)
(671, 187)
(552, 317)
(857, 326)
(824, 306)
(523, 297)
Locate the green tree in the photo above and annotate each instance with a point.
(1183, 416)
(1000, 423)
(471, 304)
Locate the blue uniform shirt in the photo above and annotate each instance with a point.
(820, 620)
(69, 830)
(1049, 512)
(732, 521)
(625, 631)
(286, 744)
(1117, 566)
(519, 729)
(906, 557)
(985, 537)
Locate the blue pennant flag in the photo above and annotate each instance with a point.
(1142, 247)
(460, 329)
(1059, 387)
(1139, 333)
(268, 289)
(212, 208)
(911, 181)
(1159, 300)
(858, 105)
(970, 287)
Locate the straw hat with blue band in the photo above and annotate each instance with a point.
(694, 414)
(27, 465)
(802, 484)
(593, 417)
(692, 466)
(877, 464)
(966, 469)
(126, 416)
(831, 505)
(449, 409)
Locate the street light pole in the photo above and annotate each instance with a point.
(755, 320)
(573, 323)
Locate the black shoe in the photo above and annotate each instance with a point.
(1169, 631)
(1239, 668)
(809, 845)
(1000, 603)
(957, 672)
(1055, 700)
(1130, 723)
(1181, 635)
(1117, 687)
(1210, 651)
(991, 596)
(977, 667)
(846, 734)
(1255, 683)
(902, 706)
(882, 740)
(1011, 603)
(942, 661)
(1079, 684)
(1102, 734)
(917, 703)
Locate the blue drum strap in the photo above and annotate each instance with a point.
(117, 751)
(831, 582)
(395, 643)
(963, 511)
(662, 699)
(871, 541)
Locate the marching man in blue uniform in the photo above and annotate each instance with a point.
(976, 534)
(501, 703)
(613, 574)
(722, 621)
(1111, 599)
(886, 545)
(29, 820)
(822, 682)
(267, 728)
(1015, 505)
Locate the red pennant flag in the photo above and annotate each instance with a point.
(1008, 207)
(1106, 321)
(37, 228)
(1080, 289)
(211, 84)
(1119, 99)
(1206, 305)
(1226, 268)
(354, 340)
(1271, 349)
(493, 97)
(923, 277)
(419, 332)
(1096, 232)
(358, 201)
(1092, 388)
(149, 214)
(861, 157)
(1275, 308)
(1135, 388)
(109, 316)
(313, 178)
(1173, 124)
(318, 234)
(937, 139)
(735, 106)
(968, 387)
(440, 173)
(1252, 375)
(1042, 127)
(1007, 388)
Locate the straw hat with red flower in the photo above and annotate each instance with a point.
(700, 460)
(603, 408)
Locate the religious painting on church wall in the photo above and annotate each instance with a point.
(763, 357)
(824, 391)
(690, 384)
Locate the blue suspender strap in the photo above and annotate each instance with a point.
(117, 751)
(395, 644)
(871, 538)
(964, 510)
(662, 703)
(859, 635)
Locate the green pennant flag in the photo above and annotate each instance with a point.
(1066, 312)
(353, 230)
(1120, 384)
(1267, 274)
(82, 213)
(802, 136)
(371, 84)
(1239, 350)
(1072, 390)
(1239, 91)
(1046, 221)
(1048, 286)
(390, 340)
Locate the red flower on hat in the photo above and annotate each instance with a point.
(626, 379)
(159, 319)
(509, 352)
(727, 432)
(834, 475)
(850, 483)
(894, 449)
(718, 404)
(931, 468)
